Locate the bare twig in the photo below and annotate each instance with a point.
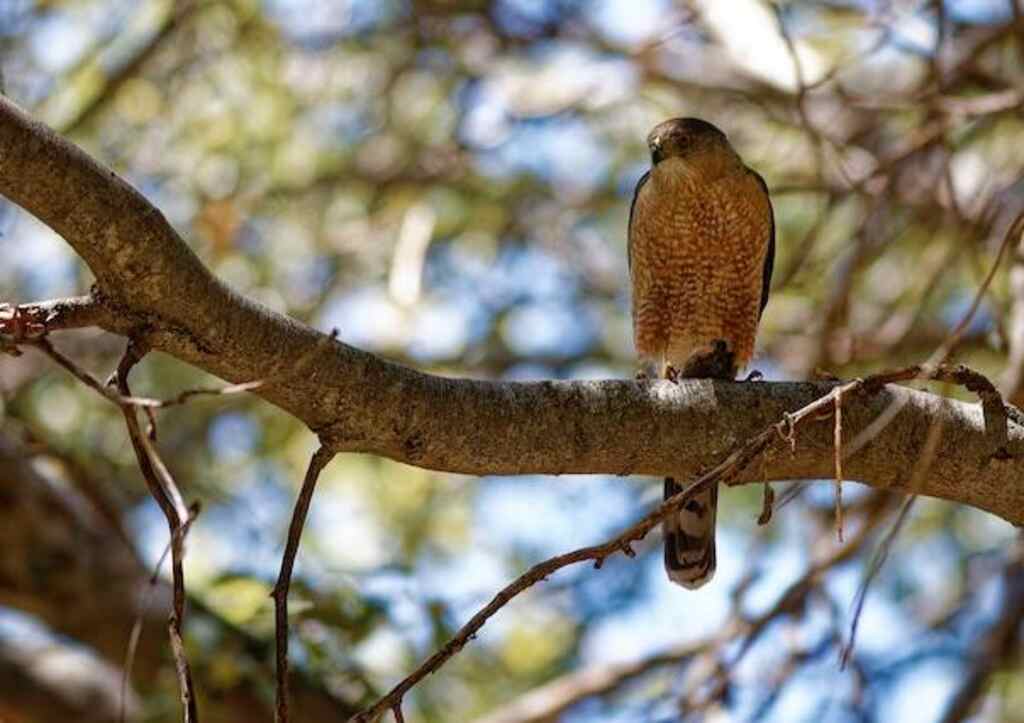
(189, 394)
(1014, 232)
(545, 703)
(162, 488)
(44, 345)
(876, 565)
(143, 604)
(767, 505)
(144, 600)
(791, 601)
(165, 491)
(837, 454)
(122, 400)
(537, 573)
(995, 411)
(280, 593)
(924, 464)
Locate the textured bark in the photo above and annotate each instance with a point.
(151, 284)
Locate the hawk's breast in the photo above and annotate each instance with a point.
(697, 254)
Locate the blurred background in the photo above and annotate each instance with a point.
(447, 184)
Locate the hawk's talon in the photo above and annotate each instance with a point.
(715, 362)
(755, 375)
(671, 373)
(641, 376)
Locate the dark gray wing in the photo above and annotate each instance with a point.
(629, 227)
(769, 259)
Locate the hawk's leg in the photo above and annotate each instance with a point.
(718, 363)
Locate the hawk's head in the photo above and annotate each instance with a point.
(682, 137)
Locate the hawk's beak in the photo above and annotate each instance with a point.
(657, 154)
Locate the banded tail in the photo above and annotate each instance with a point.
(690, 537)
(690, 532)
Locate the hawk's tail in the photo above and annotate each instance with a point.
(690, 537)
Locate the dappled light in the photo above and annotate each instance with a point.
(446, 186)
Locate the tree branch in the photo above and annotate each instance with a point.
(151, 284)
(167, 496)
(784, 430)
(284, 580)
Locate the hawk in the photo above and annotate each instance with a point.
(701, 246)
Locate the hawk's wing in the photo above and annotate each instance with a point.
(629, 227)
(769, 258)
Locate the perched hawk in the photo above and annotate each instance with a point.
(701, 246)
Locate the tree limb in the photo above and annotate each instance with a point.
(152, 285)
(284, 580)
(785, 430)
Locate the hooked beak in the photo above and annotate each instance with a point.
(657, 154)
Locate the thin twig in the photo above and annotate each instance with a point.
(1013, 233)
(25, 321)
(162, 488)
(544, 704)
(876, 565)
(136, 633)
(280, 593)
(44, 345)
(767, 505)
(165, 491)
(837, 452)
(924, 463)
(146, 403)
(537, 573)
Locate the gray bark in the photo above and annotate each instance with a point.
(150, 284)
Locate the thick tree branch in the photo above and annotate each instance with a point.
(153, 285)
(785, 431)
